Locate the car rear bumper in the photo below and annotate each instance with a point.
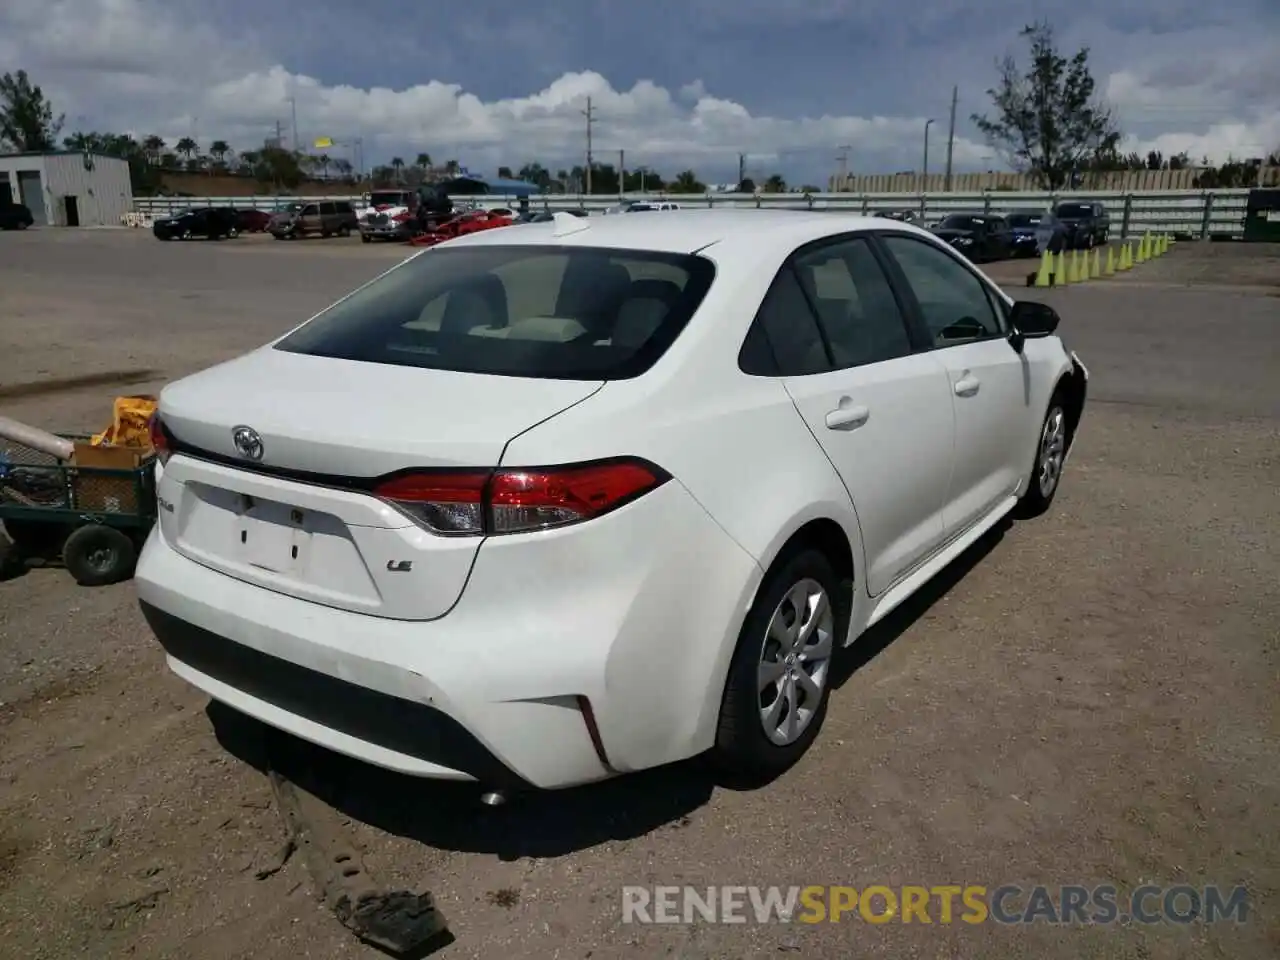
(571, 656)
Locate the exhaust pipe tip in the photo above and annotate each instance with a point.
(493, 798)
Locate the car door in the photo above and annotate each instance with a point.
(309, 220)
(878, 406)
(200, 222)
(989, 380)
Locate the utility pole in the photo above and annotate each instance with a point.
(622, 172)
(951, 138)
(589, 113)
(279, 134)
(843, 158)
(742, 168)
(927, 124)
(293, 108)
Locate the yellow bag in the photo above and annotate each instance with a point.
(131, 426)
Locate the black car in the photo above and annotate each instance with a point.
(1086, 221)
(211, 223)
(978, 236)
(14, 216)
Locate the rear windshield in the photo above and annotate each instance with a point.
(572, 313)
(1077, 210)
(1024, 219)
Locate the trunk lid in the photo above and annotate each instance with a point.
(299, 520)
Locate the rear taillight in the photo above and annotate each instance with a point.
(473, 502)
(160, 439)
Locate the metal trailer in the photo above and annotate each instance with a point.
(94, 519)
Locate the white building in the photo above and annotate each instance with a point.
(67, 188)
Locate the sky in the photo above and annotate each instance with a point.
(680, 85)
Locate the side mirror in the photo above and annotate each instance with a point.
(1031, 319)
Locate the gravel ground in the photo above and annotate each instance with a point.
(1088, 698)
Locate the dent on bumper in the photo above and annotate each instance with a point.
(490, 691)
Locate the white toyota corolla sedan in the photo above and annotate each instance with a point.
(551, 503)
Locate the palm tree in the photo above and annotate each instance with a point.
(186, 148)
(343, 166)
(775, 184)
(452, 167)
(397, 164)
(155, 148)
(323, 162)
(423, 162)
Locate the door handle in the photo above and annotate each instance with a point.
(847, 418)
(967, 386)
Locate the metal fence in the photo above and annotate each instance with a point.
(1201, 213)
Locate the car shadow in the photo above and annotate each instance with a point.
(878, 637)
(451, 816)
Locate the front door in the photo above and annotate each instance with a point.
(989, 380)
(72, 206)
(880, 411)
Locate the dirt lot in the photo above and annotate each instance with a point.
(1090, 699)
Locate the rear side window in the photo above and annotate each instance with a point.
(326, 207)
(310, 210)
(342, 206)
(855, 303)
(574, 313)
(784, 340)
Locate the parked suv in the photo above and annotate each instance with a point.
(212, 223)
(325, 217)
(1087, 223)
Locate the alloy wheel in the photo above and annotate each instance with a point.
(795, 660)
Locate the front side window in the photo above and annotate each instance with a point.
(955, 304)
(577, 313)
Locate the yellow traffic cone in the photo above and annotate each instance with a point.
(1144, 248)
(1095, 264)
(1109, 269)
(1060, 270)
(1164, 243)
(1126, 256)
(1078, 269)
(1044, 276)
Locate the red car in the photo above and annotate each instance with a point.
(461, 226)
(252, 221)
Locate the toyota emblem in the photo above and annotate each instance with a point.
(248, 442)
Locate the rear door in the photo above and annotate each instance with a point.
(988, 379)
(309, 221)
(879, 409)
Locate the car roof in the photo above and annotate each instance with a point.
(685, 230)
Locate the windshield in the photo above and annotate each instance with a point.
(574, 313)
(1075, 210)
(1025, 219)
(960, 221)
(389, 199)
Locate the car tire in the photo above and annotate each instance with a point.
(97, 555)
(233, 233)
(365, 238)
(1051, 454)
(186, 234)
(753, 741)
